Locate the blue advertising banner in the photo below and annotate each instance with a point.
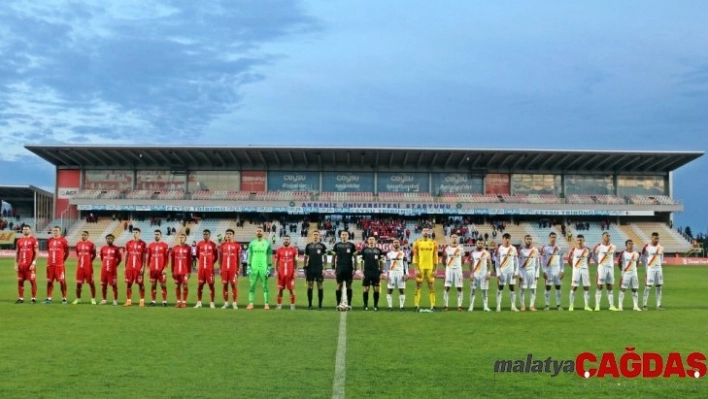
(444, 183)
(401, 182)
(293, 181)
(345, 182)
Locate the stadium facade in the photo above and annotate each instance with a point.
(510, 183)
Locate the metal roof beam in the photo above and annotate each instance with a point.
(588, 162)
(164, 158)
(476, 161)
(304, 155)
(611, 166)
(420, 159)
(189, 155)
(464, 158)
(277, 158)
(376, 159)
(248, 158)
(233, 158)
(91, 157)
(658, 161)
(432, 161)
(292, 159)
(349, 158)
(522, 157)
(405, 158)
(219, 157)
(536, 157)
(646, 161)
(578, 157)
(260, 153)
(131, 155)
(449, 158)
(77, 154)
(491, 161)
(630, 164)
(56, 158)
(507, 157)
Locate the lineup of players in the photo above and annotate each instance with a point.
(511, 266)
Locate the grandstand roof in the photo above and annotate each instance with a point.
(471, 160)
(21, 193)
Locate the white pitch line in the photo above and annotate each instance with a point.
(340, 362)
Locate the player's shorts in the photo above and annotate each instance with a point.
(229, 276)
(395, 280)
(108, 277)
(205, 276)
(370, 279)
(25, 274)
(479, 281)
(553, 276)
(580, 276)
(181, 278)
(344, 275)
(453, 277)
(313, 274)
(605, 275)
(654, 277)
(133, 276)
(56, 273)
(424, 274)
(527, 279)
(84, 274)
(505, 277)
(630, 280)
(286, 281)
(156, 276)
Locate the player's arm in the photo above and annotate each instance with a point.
(414, 261)
(562, 264)
(65, 244)
(249, 254)
(119, 258)
(490, 266)
(515, 260)
(17, 259)
(93, 252)
(306, 258)
(436, 257)
(538, 264)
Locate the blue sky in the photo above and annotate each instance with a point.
(536, 74)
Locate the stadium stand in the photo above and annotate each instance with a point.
(283, 196)
(595, 199)
(669, 238)
(652, 200)
(336, 196)
(97, 231)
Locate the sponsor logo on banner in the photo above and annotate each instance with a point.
(7, 237)
(67, 193)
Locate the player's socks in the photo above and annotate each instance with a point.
(153, 293)
(522, 296)
(365, 295)
(485, 299)
(620, 299)
(598, 299)
(646, 295)
(377, 295)
(225, 292)
(572, 298)
(389, 300)
(547, 296)
(63, 287)
(459, 299)
(416, 297)
(20, 290)
(234, 294)
(92, 286)
(611, 298)
(185, 291)
(558, 297)
(431, 296)
(473, 292)
(292, 299)
(279, 298)
(635, 299)
(402, 301)
(142, 291)
(658, 296)
(533, 297)
(129, 292)
(338, 294)
(513, 299)
(499, 298)
(50, 290)
(178, 294)
(446, 297)
(320, 296)
(586, 298)
(78, 291)
(350, 297)
(200, 291)
(104, 291)
(309, 297)
(211, 292)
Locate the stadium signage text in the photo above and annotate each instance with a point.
(630, 364)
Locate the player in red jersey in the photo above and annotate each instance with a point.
(286, 260)
(135, 256)
(26, 264)
(207, 254)
(229, 261)
(85, 253)
(58, 251)
(181, 256)
(110, 259)
(158, 253)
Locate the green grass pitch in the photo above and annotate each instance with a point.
(105, 351)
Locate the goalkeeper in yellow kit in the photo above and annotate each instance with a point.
(425, 262)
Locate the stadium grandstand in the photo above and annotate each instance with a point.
(25, 205)
(389, 192)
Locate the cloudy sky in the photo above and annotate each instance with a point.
(536, 74)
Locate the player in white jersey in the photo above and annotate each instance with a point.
(480, 273)
(653, 258)
(507, 270)
(579, 258)
(397, 275)
(604, 256)
(552, 267)
(529, 268)
(454, 257)
(627, 261)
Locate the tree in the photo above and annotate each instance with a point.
(688, 232)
